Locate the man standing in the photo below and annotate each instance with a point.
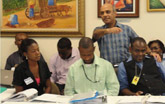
(141, 74)
(113, 38)
(91, 73)
(60, 62)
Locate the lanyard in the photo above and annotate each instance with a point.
(88, 77)
(136, 71)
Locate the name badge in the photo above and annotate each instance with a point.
(135, 80)
(28, 80)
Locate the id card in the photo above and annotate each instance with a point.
(135, 80)
(28, 80)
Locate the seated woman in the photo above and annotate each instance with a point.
(32, 73)
(158, 47)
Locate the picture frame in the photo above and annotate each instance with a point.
(128, 10)
(71, 31)
(155, 5)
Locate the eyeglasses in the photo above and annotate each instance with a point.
(95, 81)
(154, 48)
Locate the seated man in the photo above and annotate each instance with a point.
(91, 73)
(60, 62)
(141, 74)
(17, 57)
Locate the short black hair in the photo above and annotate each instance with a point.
(160, 43)
(86, 42)
(26, 43)
(64, 43)
(140, 39)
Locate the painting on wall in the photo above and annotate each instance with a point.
(124, 8)
(61, 17)
(155, 5)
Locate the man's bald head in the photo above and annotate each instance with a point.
(108, 14)
(19, 37)
(86, 42)
(108, 5)
(86, 49)
(20, 34)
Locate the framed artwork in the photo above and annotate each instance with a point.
(155, 5)
(43, 18)
(124, 8)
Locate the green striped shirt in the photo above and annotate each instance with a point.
(105, 78)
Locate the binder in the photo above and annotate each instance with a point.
(89, 98)
(23, 96)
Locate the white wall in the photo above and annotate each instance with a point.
(149, 25)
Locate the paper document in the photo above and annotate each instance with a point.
(132, 100)
(29, 103)
(52, 98)
(156, 100)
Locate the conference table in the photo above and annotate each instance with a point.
(110, 99)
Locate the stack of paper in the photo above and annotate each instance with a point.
(23, 96)
(52, 98)
(131, 100)
(156, 100)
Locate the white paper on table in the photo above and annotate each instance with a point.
(156, 99)
(6, 94)
(53, 98)
(131, 100)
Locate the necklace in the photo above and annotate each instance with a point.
(95, 81)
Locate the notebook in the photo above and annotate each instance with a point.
(6, 78)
